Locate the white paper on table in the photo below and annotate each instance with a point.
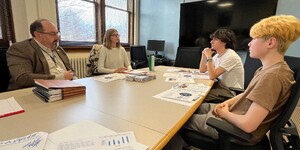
(34, 141)
(178, 70)
(83, 132)
(117, 141)
(182, 80)
(181, 95)
(160, 96)
(172, 75)
(184, 93)
(202, 76)
(9, 106)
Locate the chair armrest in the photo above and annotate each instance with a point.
(224, 127)
(290, 128)
(237, 90)
(136, 64)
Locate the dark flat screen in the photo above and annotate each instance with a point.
(199, 19)
(156, 45)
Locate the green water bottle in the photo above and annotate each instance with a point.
(151, 62)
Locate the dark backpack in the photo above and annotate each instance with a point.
(92, 62)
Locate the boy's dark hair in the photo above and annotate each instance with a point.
(225, 35)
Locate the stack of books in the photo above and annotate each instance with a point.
(53, 90)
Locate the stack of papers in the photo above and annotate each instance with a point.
(53, 90)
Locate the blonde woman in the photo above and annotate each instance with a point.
(112, 57)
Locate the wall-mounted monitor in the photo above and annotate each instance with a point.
(156, 45)
(199, 19)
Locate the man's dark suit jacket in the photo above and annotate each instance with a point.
(26, 62)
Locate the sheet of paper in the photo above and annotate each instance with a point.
(181, 95)
(117, 141)
(34, 141)
(110, 77)
(182, 80)
(202, 76)
(9, 107)
(184, 93)
(194, 75)
(84, 133)
(178, 70)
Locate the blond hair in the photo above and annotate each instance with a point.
(106, 39)
(285, 28)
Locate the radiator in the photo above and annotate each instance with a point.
(79, 65)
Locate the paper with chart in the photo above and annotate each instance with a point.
(34, 141)
(184, 93)
(88, 135)
(117, 141)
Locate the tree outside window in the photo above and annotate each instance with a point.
(84, 22)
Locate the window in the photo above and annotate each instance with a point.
(6, 25)
(84, 22)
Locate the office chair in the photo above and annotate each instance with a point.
(250, 66)
(283, 133)
(138, 57)
(188, 57)
(4, 75)
(243, 54)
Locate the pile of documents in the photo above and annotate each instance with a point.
(53, 90)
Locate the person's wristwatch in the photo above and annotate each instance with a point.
(209, 59)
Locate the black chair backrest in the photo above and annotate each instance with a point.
(243, 54)
(250, 66)
(188, 57)
(138, 53)
(281, 121)
(4, 75)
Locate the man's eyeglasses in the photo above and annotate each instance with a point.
(51, 33)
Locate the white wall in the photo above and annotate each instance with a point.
(26, 11)
(159, 20)
(290, 7)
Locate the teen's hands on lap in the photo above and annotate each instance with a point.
(220, 110)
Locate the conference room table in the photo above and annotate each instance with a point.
(119, 105)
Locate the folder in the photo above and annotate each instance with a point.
(10, 107)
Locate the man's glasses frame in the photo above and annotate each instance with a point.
(50, 33)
